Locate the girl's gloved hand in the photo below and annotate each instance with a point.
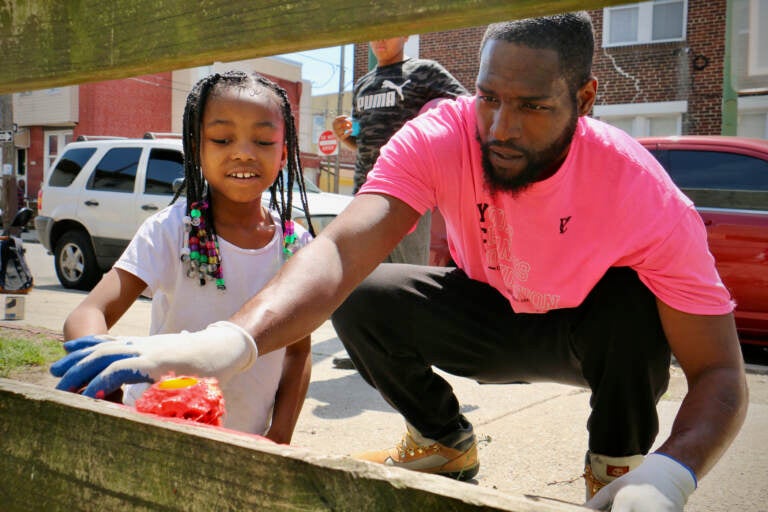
(102, 364)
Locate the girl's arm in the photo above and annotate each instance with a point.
(104, 305)
(297, 368)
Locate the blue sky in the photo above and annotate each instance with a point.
(322, 66)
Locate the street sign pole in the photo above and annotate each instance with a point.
(339, 108)
(7, 160)
(328, 145)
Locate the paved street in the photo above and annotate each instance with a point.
(533, 437)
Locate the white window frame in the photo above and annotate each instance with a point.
(642, 113)
(755, 105)
(62, 136)
(645, 23)
(757, 25)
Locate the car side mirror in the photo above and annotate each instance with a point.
(177, 185)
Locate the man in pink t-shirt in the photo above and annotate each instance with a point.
(578, 261)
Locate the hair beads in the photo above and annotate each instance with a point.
(201, 249)
(290, 241)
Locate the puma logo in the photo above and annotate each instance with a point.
(563, 223)
(388, 84)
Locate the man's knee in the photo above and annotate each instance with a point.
(622, 320)
(370, 297)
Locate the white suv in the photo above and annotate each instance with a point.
(101, 189)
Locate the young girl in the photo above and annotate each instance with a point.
(204, 256)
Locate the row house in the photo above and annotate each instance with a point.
(46, 120)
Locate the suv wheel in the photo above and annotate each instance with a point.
(75, 261)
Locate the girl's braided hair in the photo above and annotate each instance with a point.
(201, 245)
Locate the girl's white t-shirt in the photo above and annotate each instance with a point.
(179, 303)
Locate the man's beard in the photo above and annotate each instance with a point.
(537, 162)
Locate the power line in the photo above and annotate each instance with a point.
(332, 62)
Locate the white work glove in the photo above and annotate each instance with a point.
(659, 484)
(103, 363)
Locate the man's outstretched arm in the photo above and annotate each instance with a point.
(319, 277)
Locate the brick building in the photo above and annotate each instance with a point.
(660, 65)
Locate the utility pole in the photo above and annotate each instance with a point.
(339, 111)
(9, 199)
(730, 108)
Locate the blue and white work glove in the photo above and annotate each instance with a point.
(102, 364)
(659, 484)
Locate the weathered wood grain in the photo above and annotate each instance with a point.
(61, 451)
(47, 43)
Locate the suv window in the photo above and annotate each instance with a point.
(116, 172)
(69, 166)
(165, 165)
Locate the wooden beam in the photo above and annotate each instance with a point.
(48, 43)
(61, 451)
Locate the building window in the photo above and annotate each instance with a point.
(749, 46)
(54, 143)
(318, 126)
(648, 125)
(758, 37)
(645, 119)
(645, 22)
(753, 117)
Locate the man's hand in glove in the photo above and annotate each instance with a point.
(659, 484)
(102, 364)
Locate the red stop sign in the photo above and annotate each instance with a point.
(327, 143)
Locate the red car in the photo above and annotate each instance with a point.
(727, 179)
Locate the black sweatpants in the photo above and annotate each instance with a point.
(404, 319)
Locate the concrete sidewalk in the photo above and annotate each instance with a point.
(532, 436)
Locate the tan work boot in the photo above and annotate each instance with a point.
(418, 453)
(600, 470)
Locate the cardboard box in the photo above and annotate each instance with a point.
(13, 307)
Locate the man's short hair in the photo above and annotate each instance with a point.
(570, 35)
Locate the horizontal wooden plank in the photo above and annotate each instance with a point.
(47, 43)
(61, 451)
